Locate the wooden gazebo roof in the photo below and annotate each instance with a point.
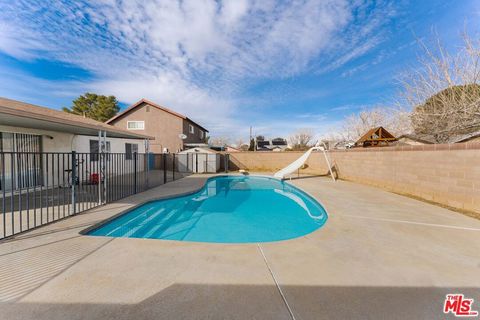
(375, 137)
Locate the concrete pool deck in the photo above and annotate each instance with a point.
(380, 255)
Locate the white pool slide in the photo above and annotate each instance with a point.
(297, 164)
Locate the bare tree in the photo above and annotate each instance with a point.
(239, 142)
(219, 141)
(243, 147)
(396, 120)
(301, 139)
(444, 92)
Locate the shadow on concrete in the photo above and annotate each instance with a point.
(195, 301)
(24, 270)
(53, 228)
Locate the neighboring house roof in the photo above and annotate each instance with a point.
(420, 138)
(232, 148)
(464, 137)
(197, 145)
(153, 104)
(21, 114)
(198, 150)
(429, 139)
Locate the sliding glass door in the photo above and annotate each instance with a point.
(20, 160)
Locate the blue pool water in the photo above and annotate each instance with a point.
(229, 209)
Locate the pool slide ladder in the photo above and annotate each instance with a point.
(297, 164)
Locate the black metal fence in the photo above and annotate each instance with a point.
(37, 188)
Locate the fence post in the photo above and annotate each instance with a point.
(74, 180)
(226, 162)
(164, 159)
(104, 167)
(147, 169)
(196, 162)
(135, 155)
(206, 163)
(173, 167)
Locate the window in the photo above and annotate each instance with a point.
(130, 149)
(136, 125)
(94, 150)
(201, 134)
(191, 128)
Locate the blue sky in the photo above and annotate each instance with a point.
(275, 65)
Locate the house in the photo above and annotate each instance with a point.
(26, 127)
(421, 139)
(469, 137)
(375, 137)
(173, 131)
(37, 141)
(277, 144)
(414, 140)
(232, 149)
(343, 144)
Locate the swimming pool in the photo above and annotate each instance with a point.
(228, 209)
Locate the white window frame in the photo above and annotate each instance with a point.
(202, 134)
(141, 127)
(191, 129)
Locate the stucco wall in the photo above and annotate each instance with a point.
(52, 141)
(193, 137)
(164, 126)
(117, 145)
(446, 174)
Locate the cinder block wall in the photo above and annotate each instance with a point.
(446, 174)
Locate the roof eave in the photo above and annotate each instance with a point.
(23, 114)
(143, 100)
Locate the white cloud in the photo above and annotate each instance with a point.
(171, 92)
(11, 44)
(194, 56)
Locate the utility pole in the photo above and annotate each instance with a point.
(250, 140)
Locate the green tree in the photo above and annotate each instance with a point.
(97, 107)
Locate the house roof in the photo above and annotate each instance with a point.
(430, 139)
(198, 150)
(420, 138)
(22, 114)
(464, 137)
(383, 135)
(153, 104)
